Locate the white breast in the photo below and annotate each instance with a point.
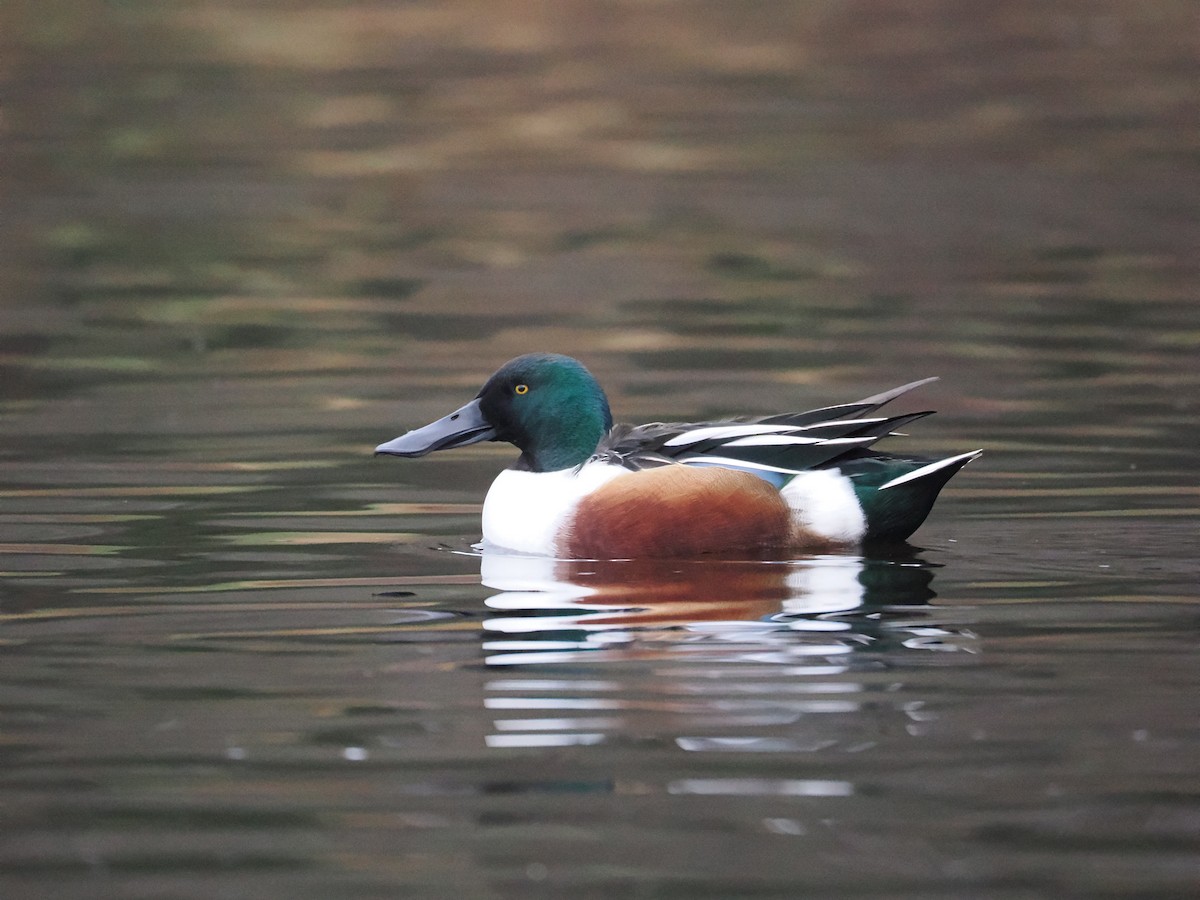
(525, 511)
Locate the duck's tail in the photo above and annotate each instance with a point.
(897, 492)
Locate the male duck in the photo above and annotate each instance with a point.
(583, 489)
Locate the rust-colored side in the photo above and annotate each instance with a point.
(678, 511)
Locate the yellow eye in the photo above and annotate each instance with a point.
(522, 389)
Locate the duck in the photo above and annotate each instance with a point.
(584, 488)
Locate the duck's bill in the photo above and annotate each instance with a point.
(466, 425)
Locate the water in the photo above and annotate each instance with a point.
(241, 658)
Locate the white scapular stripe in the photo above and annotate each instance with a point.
(770, 440)
(841, 422)
(932, 467)
(717, 432)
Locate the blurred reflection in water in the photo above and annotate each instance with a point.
(729, 656)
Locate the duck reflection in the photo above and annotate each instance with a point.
(585, 597)
(712, 655)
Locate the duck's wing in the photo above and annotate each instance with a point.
(877, 400)
(786, 443)
(844, 410)
(783, 449)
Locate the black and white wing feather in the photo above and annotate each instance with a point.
(786, 443)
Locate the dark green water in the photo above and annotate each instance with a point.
(244, 243)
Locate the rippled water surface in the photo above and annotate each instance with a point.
(244, 243)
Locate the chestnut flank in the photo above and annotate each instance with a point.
(678, 511)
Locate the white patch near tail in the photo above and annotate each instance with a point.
(932, 467)
(823, 502)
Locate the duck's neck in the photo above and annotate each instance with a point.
(567, 435)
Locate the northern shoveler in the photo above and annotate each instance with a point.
(584, 489)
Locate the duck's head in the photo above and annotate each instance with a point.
(549, 406)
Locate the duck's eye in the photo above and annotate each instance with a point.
(522, 389)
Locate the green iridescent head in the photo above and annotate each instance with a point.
(548, 405)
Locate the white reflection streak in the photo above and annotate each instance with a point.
(786, 654)
(549, 684)
(551, 703)
(743, 745)
(803, 687)
(557, 724)
(765, 787)
(825, 584)
(532, 645)
(698, 676)
(733, 628)
(531, 658)
(528, 576)
(542, 740)
(532, 600)
(536, 624)
(938, 640)
(800, 706)
(818, 625)
(533, 624)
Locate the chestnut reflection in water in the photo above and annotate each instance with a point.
(552, 594)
